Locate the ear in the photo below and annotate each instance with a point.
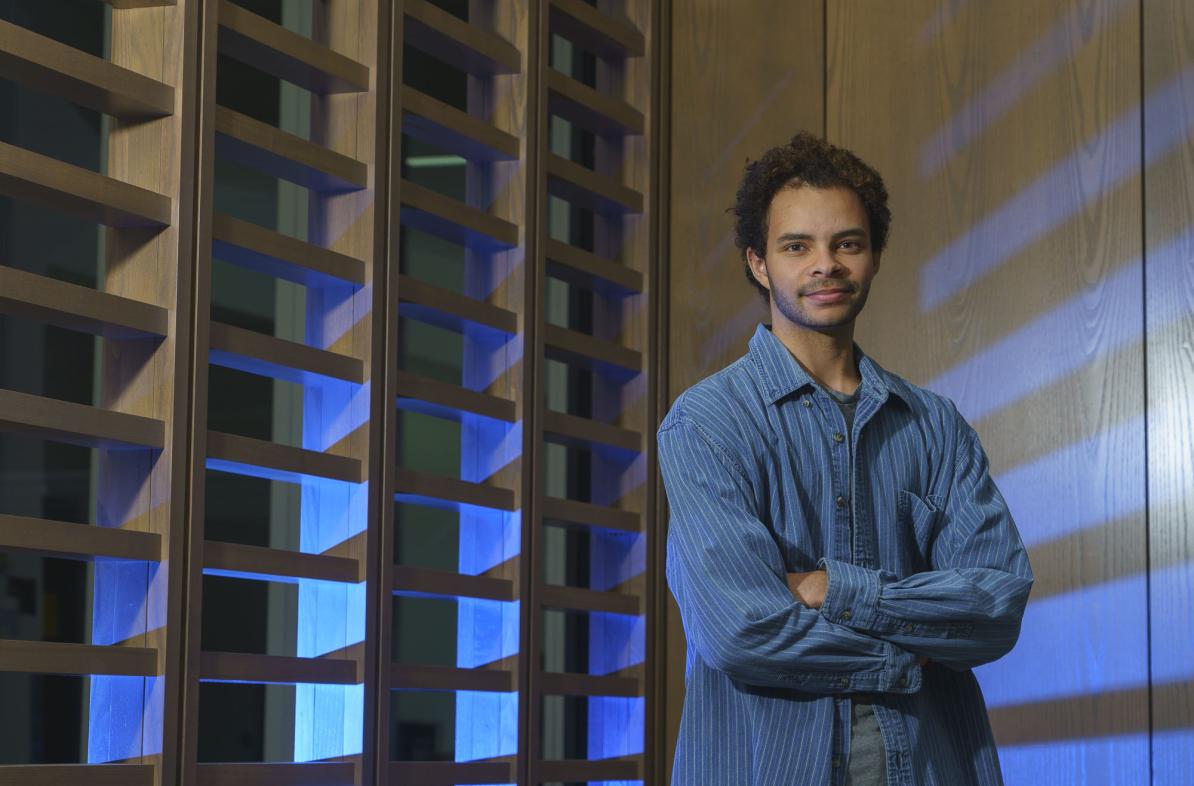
(758, 268)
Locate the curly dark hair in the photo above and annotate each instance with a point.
(811, 161)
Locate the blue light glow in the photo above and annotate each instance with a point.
(1107, 761)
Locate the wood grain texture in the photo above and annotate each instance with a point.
(277, 669)
(48, 66)
(267, 562)
(1012, 285)
(1169, 318)
(600, 31)
(78, 423)
(287, 55)
(445, 400)
(284, 460)
(447, 773)
(265, 355)
(270, 150)
(313, 773)
(586, 514)
(278, 255)
(430, 120)
(590, 271)
(588, 189)
(731, 99)
(589, 434)
(413, 485)
(564, 684)
(581, 349)
(92, 774)
(425, 582)
(556, 596)
(450, 310)
(78, 308)
(405, 676)
(104, 200)
(64, 539)
(590, 108)
(453, 220)
(52, 657)
(452, 40)
(621, 769)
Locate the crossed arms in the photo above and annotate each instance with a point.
(857, 629)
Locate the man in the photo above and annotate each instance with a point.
(838, 550)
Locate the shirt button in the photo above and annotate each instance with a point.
(805, 403)
(841, 501)
(844, 682)
(903, 682)
(907, 628)
(839, 437)
(846, 614)
(837, 762)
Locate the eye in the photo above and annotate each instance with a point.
(795, 246)
(850, 245)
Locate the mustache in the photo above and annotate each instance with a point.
(829, 283)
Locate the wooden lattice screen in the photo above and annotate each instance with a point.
(442, 422)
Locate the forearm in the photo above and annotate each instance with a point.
(960, 617)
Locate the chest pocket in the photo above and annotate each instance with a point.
(920, 522)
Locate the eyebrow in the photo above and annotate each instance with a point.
(851, 232)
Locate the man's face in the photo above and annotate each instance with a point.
(819, 263)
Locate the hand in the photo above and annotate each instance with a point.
(809, 588)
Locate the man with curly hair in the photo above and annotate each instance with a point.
(840, 554)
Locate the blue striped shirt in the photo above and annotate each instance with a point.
(922, 556)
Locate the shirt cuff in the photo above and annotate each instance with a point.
(852, 595)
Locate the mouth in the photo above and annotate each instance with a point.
(828, 295)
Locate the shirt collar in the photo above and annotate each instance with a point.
(782, 375)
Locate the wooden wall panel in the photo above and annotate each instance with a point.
(1169, 264)
(732, 96)
(1009, 137)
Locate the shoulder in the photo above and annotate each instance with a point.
(936, 412)
(724, 409)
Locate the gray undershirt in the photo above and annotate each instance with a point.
(868, 757)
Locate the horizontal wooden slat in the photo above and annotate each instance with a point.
(581, 349)
(90, 774)
(448, 401)
(268, 356)
(404, 676)
(599, 32)
(624, 769)
(453, 220)
(450, 310)
(48, 66)
(454, 131)
(585, 188)
(567, 511)
(428, 489)
(79, 424)
(287, 55)
(590, 108)
(587, 433)
(556, 596)
(452, 40)
(562, 684)
(276, 669)
(277, 564)
(245, 455)
(586, 269)
(76, 541)
(78, 308)
(105, 200)
(448, 773)
(270, 150)
(310, 773)
(53, 657)
(275, 254)
(410, 580)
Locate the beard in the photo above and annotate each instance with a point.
(797, 310)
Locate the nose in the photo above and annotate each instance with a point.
(825, 264)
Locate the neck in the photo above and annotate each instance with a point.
(827, 356)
